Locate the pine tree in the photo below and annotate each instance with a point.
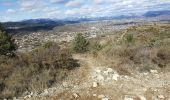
(7, 46)
(80, 44)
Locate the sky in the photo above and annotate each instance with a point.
(14, 10)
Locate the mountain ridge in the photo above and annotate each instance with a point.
(31, 25)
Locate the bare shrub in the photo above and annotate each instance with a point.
(34, 71)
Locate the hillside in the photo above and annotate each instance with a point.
(156, 13)
(129, 63)
(129, 66)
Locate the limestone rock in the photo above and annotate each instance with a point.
(75, 95)
(98, 71)
(101, 96)
(128, 98)
(109, 70)
(105, 98)
(95, 84)
(45, 93)
(115, 76)
(161, 97)
(65, 84)
(94, 95)
(100, 77)
(142, 98)
(154, 71)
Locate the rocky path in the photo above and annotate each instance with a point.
(92, 81)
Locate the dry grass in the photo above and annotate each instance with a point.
(34, 71)
(141, 49)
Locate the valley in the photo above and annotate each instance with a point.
(121, 70)
(105, 58)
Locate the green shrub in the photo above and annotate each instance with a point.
(48, 44)
(80, 44)
(97, 46)
(7, 45)
(129, 38)
(2, 27)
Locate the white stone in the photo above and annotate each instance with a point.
(127, 77)
(14, 98)
(128, 98)
(105, 99)
(29, 96)
(109, 70)
(101, 96)
(144, 89)
(98, 71)
(100, 77)
(45, 93)
(94, 95)
(153, 71)
(145, 73)
(106, 72)
(95, 84)
(115, 77)
(31, 93)
(142, 98)
(161, 96)
(65, 84)
(75, 95)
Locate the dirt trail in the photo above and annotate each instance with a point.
(92, 82)
(87, 59)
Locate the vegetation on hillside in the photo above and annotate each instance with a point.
(31, 71)
(7, 45)
(80, 44)
(34, 71)
(141, 49)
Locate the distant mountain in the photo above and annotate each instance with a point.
(33, 25)
(156, 13)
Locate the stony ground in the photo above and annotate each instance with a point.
(92, 81)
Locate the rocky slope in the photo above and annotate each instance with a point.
(98, 80)
(95, 82)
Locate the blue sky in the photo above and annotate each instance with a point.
(13, 10)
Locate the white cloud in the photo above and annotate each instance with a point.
(98, 1)
(51, 11)
(59, 1)
(54, 14)
(72, 12)
(10, 11)
(77, 8)
(31, 5)
(74, 3)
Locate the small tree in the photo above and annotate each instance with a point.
(7, 46)
(129, 38)
(2, 27)
(80, 44)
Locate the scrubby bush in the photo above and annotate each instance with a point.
(2, 27)
(34, 71)
(7, 45)
(97, 46)
(48, 44)
(141, 49)
(80, 44)
(129, 38)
